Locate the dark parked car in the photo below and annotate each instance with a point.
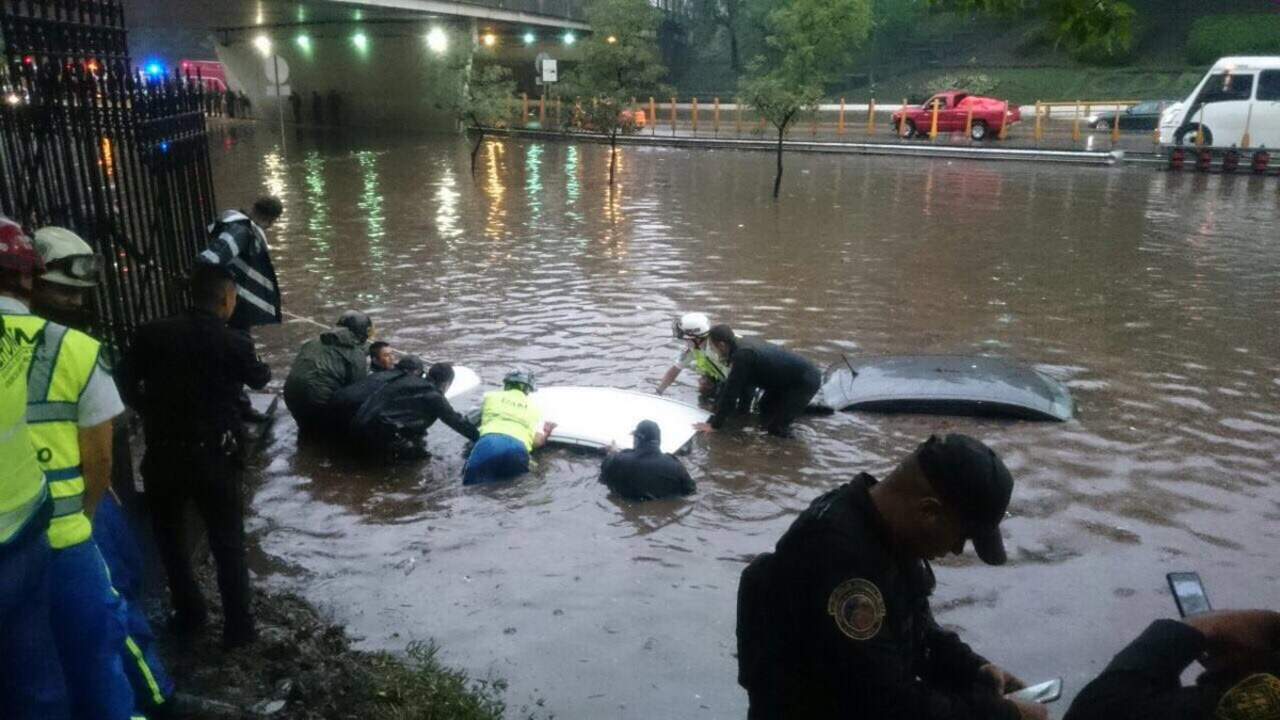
(1143, 116)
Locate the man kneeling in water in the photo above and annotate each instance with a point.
(645, 472)
(511, 427)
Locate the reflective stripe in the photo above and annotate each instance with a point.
(63, 474)
(43, 412)
(255, 301)
(139, 659)
(63, 507)
(41, 374)
(252, 274)
(211, 256)
(230, 240)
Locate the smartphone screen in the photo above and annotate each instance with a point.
(1189, 593)
(1043, 693)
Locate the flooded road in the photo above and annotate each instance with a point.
(1152, 295)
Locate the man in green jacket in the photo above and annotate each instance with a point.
(325, 365)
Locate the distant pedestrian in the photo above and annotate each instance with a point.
(335, 107)
(184, 375)
(295, 103)
(645, 472)
(317, 108)
(246, 106)
(230, 102)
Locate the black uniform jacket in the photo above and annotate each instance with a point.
(185, 374)
(1145, 680)
(645, 473)
(835, 625)
(395, 404)
(757, 364)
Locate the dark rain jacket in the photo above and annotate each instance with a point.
(757, 364)
(241, 246)
(834, 625)
(184, 374)
(396, 405)
(645, 473)
(324, 365)
(1145, 680)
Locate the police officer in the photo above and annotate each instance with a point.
(789, 381)
(1240, 650)
(645, 472)
(836, 622)
(511, 427)
(693, 329)
(184, 375)
(324, 366)
(71, 402)
(31, 682)
(73, 271)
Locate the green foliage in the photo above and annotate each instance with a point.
(976, 83)
(420, 687)
(778, 100)
(611, 73)
(1088, 29)
(485, 99)
(1217, 36)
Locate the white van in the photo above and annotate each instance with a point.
(1238, 92)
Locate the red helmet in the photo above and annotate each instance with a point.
(16, 252)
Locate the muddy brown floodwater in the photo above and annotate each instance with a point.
(1154, 296)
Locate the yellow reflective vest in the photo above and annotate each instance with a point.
(60, 364)
(707, 366)
(510, 412)
(22, 485)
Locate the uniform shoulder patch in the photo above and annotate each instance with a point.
(857, 607)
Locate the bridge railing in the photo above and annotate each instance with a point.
(568, 9)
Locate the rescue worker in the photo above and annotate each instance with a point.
(238, 242)
(789, 381)
(391, 411)
(693, 329)
(73, 271)
(31, 682)
(835, 623)
(381, 357)
(324, 366)
(184, 374)
(511, 427)
(645, 472)
(71, 402)
(1240, 650)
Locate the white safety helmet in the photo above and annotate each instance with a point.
(691, 325)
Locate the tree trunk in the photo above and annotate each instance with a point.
(613, 155)
(777, 182)
(476, 149)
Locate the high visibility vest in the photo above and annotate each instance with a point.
(60, 364)
(22, 484)
(509, 412)
(708, 367)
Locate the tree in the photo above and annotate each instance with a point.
(810, 42)
(484, 101)
(619, 62)
(1083, 27)
(725, 15)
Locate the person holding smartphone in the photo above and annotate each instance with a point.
(1240, 652)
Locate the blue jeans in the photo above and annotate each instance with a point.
(114, 535)
(31, 686)
(495, 458)
(89, 630)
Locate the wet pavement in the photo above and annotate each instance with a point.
(1152, 295)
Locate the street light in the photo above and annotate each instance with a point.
(569, 38)
(263, 43)
(361, 41)
(611, 39)
(438, 40)
(530, 38)
(489, 39)
(304, 42)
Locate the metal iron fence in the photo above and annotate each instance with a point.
(88, 143)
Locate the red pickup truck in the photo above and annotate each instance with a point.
(954, 106)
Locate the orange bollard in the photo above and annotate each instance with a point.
(902, 121)
(542, 110)
(871, 117)
(653, 116)
(933, 123)
(1075, 125)
(1115, 128)
(524, 108)
(968, 122)
(673, 117)
(840, 119)
(695, 116)
(717, 117)
(1004, 123)
(1039, 122)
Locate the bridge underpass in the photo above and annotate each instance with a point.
(383, 59)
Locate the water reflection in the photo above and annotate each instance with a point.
(318, 228)
(447, 220)
(370, 206)
(495, 188)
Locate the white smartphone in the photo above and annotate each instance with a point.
(1044, 693)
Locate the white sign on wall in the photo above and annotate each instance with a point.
(549, 72)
